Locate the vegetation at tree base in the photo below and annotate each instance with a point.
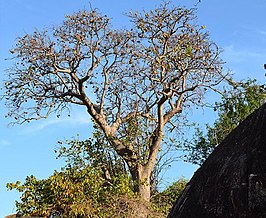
(85, 193)
(143, 80)
(164, 201)
(93, 183)
(235, 106)
(76, 193)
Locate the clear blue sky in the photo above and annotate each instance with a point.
(237, 26)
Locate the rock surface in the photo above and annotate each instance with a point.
(232, 181)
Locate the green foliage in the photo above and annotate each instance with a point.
(85, 193)
(164, 201)
(94, 183)
(235, 106)
(72, 193)
(91, 183)
(94, 152)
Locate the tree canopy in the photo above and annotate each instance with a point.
(235, 106)
(142, 79)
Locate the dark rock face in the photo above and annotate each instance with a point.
(232, 181)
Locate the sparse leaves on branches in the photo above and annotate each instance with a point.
(148, 76)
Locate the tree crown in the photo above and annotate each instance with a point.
(166, 59)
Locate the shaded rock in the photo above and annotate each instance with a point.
(232, 181)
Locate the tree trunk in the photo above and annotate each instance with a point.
(142, 183)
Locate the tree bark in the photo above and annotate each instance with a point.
(142, 184)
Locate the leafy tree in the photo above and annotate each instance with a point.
(90, 185)
(73, 193)
(234, 107)
(164, 201)
(94, 152)
(97, 152)
(86, 193)
(147, 77)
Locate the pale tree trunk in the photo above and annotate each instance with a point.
(145, 185)
(145, 191)
(141, 174)
(142, 183)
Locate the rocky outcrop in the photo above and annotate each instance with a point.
(232, 181)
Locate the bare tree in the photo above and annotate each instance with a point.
(129, 80)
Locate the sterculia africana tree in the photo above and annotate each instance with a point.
(133, 83)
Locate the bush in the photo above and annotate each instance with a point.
(163, 201)
(71, 193)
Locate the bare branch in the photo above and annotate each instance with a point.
(133, 83)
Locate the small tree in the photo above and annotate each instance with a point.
(93, 183)
(75, 192)
(94, 152)
(147, 77)
(234, 107)
(165, 200)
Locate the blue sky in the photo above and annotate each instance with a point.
(237, 26)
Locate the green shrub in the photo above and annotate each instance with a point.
(163, 201)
